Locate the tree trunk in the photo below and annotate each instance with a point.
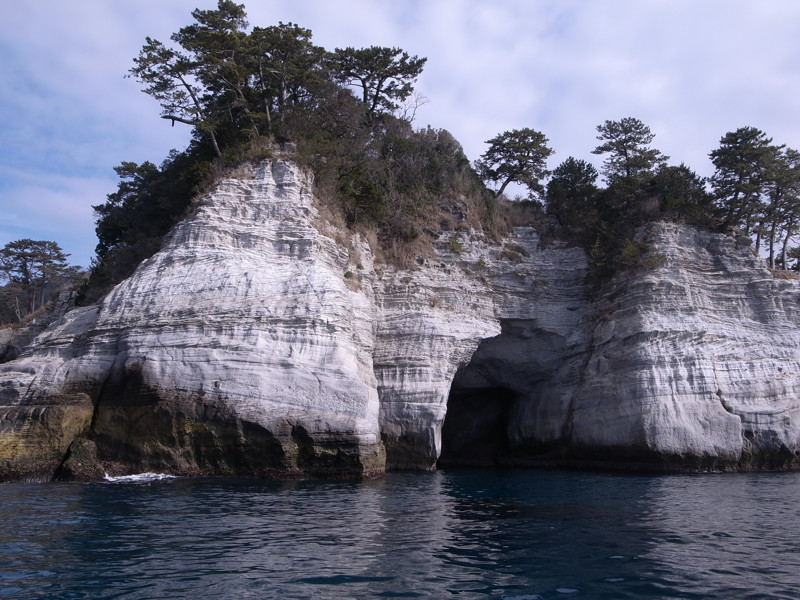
(772, 233)
(503, 188)
(264, 96)
(784, 250)
(758, 236)
(283, 94)
(214, 143)
(200, 112)
(210, 132)
(734, 209)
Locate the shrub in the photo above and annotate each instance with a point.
(455, 244)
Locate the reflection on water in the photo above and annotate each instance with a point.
(729, 536)
(461, 533)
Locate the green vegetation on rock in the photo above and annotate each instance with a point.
(346, 115)
(33, 270)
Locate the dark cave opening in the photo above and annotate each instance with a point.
(495, 392)
(475, 429)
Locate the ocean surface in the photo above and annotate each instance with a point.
(512, 534)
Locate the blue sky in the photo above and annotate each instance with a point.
(691, 70)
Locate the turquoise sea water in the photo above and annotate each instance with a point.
(462, 534)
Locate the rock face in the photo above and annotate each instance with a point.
(698, 358)
(260, 341)
(236, 349)
(688, 365)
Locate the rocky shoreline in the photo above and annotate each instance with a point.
(257, 342)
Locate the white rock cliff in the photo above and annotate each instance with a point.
(253, 343)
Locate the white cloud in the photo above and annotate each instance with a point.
(690, 70)
(46, 206)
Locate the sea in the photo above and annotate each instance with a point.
(456, 533)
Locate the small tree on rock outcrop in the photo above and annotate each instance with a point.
(517, 156)
(742, 164)
(386, 76)
(626, 142)
(33, 267)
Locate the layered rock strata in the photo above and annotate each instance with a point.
(236, 349)
(258, 341)
(698, 359)
(689, 362)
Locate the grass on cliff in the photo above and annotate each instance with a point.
(397, 186)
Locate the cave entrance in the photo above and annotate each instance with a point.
(475, 429)
(504, 383)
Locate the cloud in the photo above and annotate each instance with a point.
(690, 70)
(46, 206)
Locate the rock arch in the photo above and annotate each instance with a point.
(507, 395)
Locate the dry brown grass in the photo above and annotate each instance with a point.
(402, 253)
(408, 238)
(27, 318)
(497, 217)
(781, 274)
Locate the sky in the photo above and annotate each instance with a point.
(691, 70)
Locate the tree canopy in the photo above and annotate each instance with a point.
(571, 195)
(627, 145)
(742, 164)
(385, 75)
(171, 77)
(757, 188)
(288, 68)
(33, 267)
(516, 156)
(233, 86)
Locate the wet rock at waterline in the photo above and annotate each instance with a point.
(263, 341)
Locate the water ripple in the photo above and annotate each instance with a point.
(518, 535)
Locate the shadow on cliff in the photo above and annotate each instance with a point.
(510, 385)
(137, 428)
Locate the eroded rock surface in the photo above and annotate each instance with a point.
(238, 348)
(691, 364)
(260, 342)
(699, 358)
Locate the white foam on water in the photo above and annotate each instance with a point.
(139, 478)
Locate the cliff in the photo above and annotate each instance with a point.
(262, 341)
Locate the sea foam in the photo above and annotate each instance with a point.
(139, 478)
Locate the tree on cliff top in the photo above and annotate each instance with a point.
(571, 195)
(517, 156)
(779, 215)
(287, 66)
(386, 76)
(626, 142)
(227, 83)
(204, 80)
(217, 43)
(33, 266)
(171, 78)
(743, 161)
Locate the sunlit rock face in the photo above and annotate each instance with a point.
(698, 358)
(238, 348)
(689, 364)
(262, 341)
